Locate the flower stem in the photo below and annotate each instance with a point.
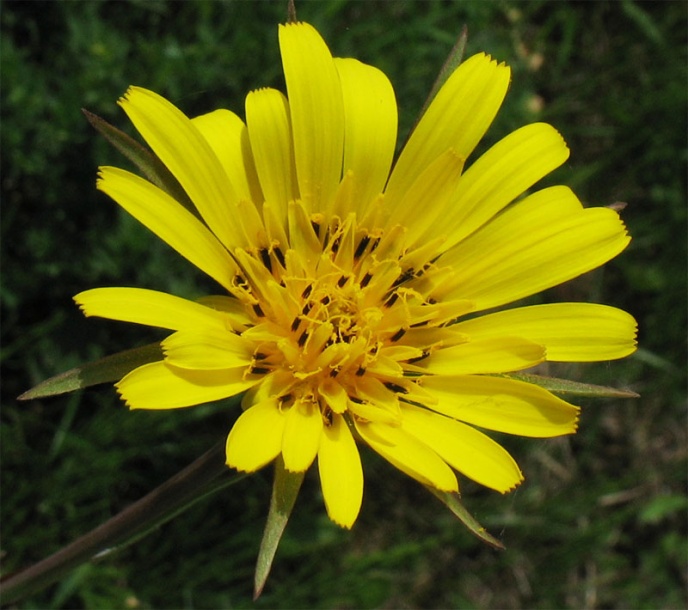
(198, 480)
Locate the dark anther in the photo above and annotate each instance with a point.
(259, 370)
(265, 257)
(325, 300)
(404, 277)
(239, 280)
(392, 299)
(258, 311)
(335, 371)
(395, 387)
(259, 356)
(360, 372)
(295, 324)
(432, 301)
(357, 400)
(307, 308)
(307, 291)
(328, 417)
(335, 243)
(366, 280)
(303, 338)
(280, 257)
(419, 324)
(398, 335)
(425, 354)
(316, 227)
(363, 244)
(285, 398)
(376, 243)
(342, 281)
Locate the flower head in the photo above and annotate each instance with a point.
(349, 294)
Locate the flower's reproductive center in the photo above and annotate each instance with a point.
(341, 314)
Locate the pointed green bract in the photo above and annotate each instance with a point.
(284, 492)
(110, 368)
(151, 167)
(452, 502)
(575, 388)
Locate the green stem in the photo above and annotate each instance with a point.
(196, 481)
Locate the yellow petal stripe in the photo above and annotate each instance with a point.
(228, 137)
(493, 355)
(151, 308)
(457, 118)
(269, 128)
(187, 154)
(532, 255)
(301, 436)
(206, 349)
(570, 332)
(317, 113)
(160, 386)
(370, 129)
(464, 448)
(505, 171)
(341, 474)
(256, 437)
(177, 227)
(408, 454)
(504, 405)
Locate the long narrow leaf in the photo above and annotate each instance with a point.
(284, 492)
(110, 368)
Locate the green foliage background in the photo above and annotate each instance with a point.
(601, 519)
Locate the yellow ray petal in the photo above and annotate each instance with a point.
(424, 205)
(160, 386)
(317, 112)
(302, 434)
(493, 355)
(370, 129)
(256, 437)
(341, 474)
(457, 118)
(503, 173)
(464, 448)
(269, 128)
(206, 349)
(187, 154)
(151, 308)
(228, 137)
(533, 254)
(172, 223)
(504, 405)
(570, 332)
(408, 454)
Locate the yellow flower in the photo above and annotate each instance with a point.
(349, 291)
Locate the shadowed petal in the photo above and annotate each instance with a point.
(504, 405)
(256, 437)
(464, 448)
(341, 474)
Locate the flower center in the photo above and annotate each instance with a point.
(334, 310)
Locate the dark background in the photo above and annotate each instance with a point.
(600, 521)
